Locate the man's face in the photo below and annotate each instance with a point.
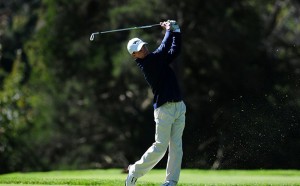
(142, 53)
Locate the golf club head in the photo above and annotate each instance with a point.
(93, 36)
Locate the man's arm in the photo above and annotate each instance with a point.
(175, 47)
(165, 45)
(171, 44)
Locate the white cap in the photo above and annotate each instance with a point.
(135, 45)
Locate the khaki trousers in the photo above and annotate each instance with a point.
(170, 122)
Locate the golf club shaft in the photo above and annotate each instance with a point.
(123, 29)
(132, 28)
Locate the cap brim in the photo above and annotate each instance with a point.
(140, 46)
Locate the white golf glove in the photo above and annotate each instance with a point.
(174, 26)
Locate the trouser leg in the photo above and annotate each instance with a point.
(162, 137)
(175, 145)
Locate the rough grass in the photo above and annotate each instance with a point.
(114, 177)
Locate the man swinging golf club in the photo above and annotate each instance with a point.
(169, 109)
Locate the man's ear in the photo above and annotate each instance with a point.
(133, 55)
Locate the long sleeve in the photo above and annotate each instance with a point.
(170, 46)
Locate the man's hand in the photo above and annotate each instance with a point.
(170, 25)
(174, 26)
(166, 25)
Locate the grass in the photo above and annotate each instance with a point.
(114, 177)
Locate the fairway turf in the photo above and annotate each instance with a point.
(114, 177)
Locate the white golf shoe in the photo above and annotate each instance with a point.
(169, 183)
(130, 180)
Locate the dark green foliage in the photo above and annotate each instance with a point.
(68, 103)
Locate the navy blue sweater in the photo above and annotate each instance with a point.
(158, 73)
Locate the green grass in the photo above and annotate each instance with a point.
(114, 177)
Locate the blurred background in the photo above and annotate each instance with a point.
(69, 103)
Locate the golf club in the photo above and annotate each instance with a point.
(123, 29)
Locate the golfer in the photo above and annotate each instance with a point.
(169, 109)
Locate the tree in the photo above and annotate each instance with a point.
(85, 104)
